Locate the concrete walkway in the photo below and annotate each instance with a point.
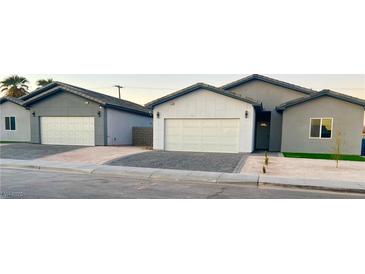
(95, 155)
(187, 176)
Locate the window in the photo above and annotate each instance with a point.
(10, 123)
(321, 128)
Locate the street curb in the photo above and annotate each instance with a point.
(47, 165)
(307, 187)
(135, 172)
(311, 184)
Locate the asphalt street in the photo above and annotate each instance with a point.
(33, 184)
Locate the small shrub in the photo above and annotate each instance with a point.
(266, 158)
(263, 169)
(339, 142)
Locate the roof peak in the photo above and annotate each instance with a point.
(269, 80)
(197, 86)
(101, 98)
(324, 92)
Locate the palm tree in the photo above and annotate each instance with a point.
(14, 86)
(44, 82)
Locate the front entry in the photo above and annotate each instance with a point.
(263, 131)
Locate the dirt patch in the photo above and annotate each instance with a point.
(307, 168)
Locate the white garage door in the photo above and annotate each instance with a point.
(68, 131)
(204, 135)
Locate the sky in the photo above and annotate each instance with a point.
(142, 88)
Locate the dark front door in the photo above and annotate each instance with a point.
(262, 135)
(363, 147)
(262, 138)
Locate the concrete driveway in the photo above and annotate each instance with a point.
(197, 161)
(79, 154)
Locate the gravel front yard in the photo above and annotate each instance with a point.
(307, 168)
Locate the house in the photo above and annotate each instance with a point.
(204, 118)
(257, 113)
(63, 114)
(14, 120)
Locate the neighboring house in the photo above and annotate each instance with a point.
(257, 113)
(14, 120)
(67, 115)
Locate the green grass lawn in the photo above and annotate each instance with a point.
(323, 156)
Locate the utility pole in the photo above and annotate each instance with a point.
(119, 88)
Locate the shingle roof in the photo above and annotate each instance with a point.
(200, 86)
(325, 92)
(267, 80)
(102, 99)
(11, 99)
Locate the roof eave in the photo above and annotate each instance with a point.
(48, 93)
(143, 113)
(331, 94)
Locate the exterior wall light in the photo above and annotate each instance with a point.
(99, 113)
(158, 115)
(33, 113)
(246, 114)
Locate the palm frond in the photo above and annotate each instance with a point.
(44, 82)
(15, 81)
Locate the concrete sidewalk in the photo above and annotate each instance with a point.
(187, 176)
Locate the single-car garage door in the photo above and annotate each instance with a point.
(202, 135)
(68, 131)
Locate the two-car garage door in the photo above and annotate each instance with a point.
(203, 135)
(68, 131)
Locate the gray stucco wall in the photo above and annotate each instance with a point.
(120, 125)
(347, 119)
(64, 104)
(271, 96)
(22, 126)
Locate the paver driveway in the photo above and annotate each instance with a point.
(216, 162)
(79, 154)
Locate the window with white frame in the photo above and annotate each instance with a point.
(10, 123)
(321, 128)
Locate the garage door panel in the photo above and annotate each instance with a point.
(206, 135)
(190, 123)
(68, 130)
(229, 123)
